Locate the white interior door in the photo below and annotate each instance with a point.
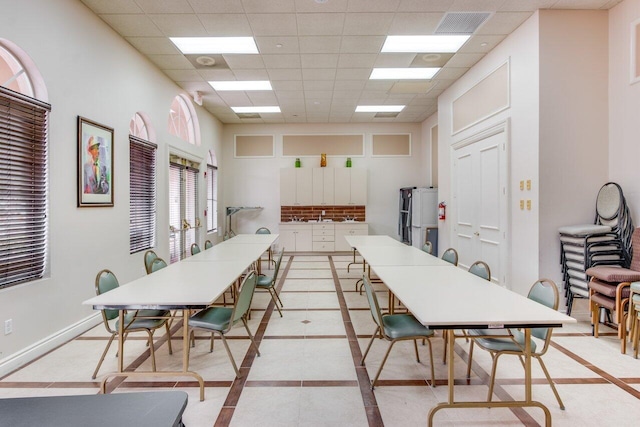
(480, 193)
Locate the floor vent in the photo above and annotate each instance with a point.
(461, 22)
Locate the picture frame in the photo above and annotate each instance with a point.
(635, 52)
(95, 164)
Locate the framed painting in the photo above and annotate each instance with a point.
(95, 164)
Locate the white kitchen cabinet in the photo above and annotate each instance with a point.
(296, 186)
(296, 237)
(350, 186)
(323, 186)
(323, 237)
(348, 229)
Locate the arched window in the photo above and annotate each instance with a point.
(142, 185)
(23, 171)
(183, 120)
(212, 192)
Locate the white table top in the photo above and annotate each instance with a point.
(381, 240)
(246, 252)
(179, 285)
(251, 238)
(398, 255)
(451, 298)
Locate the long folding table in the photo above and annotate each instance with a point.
(449, 298)
(185, 285)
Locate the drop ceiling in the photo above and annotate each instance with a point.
(318, 54)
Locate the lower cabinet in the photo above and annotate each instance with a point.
(348, 229)
(323, 235)
(296, 237)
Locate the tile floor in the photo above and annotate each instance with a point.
(308, 373)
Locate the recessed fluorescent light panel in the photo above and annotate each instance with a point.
(434, 44)
(241, 85)
(403, 73)
(379, 108)
(268, 109)
(202, 45)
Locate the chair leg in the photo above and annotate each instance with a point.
(553, 387)
(244, 321)
(373, 337)
(636, 344)
(493, 375)
(211, 343)
(470, 360)
(233, 362)
(384, 360)
(415, 346)
(276, 294)
(595, 314)
(169, 337)
(275, 301)
(433, 373)
(106, 349)
(152, 350)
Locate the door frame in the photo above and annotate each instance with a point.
(505, 213)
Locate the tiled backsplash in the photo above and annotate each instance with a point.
(336, 213)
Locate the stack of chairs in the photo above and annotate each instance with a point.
(606, 242)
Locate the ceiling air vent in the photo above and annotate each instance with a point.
(386, 115)
(461, 22)
(248, 115)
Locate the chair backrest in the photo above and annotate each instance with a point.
(277, 268)
(545, 292)
(158, 264)
(373, 302)
(208, 244)
(195, 249)
(427, 247)
(243, 301)
(263, 230)
(149, 256)
(481, 269)
(451, 255)
(106, 281)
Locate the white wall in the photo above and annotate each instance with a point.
(92, 72)
(624, 106)
(256, 182)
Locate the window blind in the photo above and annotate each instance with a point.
(142, 194)
(212, 198)
(23, 187)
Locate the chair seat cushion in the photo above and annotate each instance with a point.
(635, 286)
(607, 289)
(264, 281)
(142, 323)
(584, 229)
(603, 301)
(614, 274)
(212, 318)
(153, 313)
(503, 343)
(403, 326)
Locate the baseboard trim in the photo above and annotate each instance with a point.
(42, 347)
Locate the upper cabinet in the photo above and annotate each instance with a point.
(323, 186)
(350, 186)
(296, 187)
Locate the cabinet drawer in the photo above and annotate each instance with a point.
(317, 238)
(323, 246)
(322, 226)
(323, 232)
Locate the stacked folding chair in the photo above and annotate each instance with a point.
(606, 242)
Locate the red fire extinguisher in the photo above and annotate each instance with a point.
(442, 211)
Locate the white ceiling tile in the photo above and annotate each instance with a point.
(281, 61)
(367, 24)
(319, 74)
(415, 23)
(171, 62)
(318, 85)
(132, 25)
(320, 44)
(183, 75)
(348, 93)
(379, 85)
(319, 61)
(275, 24)
(193, 86)
(474, 44)
(526, 6)
(216, 6)
(153, 45)
(466, 60)
(255, 74)
(286, 74)
(244, 61)
(165, 6)
(235, 99)
(173, 25)
(362, 44)
(318, 94)
(269, 45)
(451, 73)
(329, 6)
(348, 86)
(503, 22)
(320, 24)
(223, 74)
(290, 94)
(373, 5)
(356, 60)
(270, 6)
(424, 6)
(113, 6)
(394, 60)
(226, 25)
(579, 4)
(476, 5)
(262, 97)
(353, 73)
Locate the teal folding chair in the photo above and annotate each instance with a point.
(428, 248)
(149, 256)
(269, 282)
(195, 249)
